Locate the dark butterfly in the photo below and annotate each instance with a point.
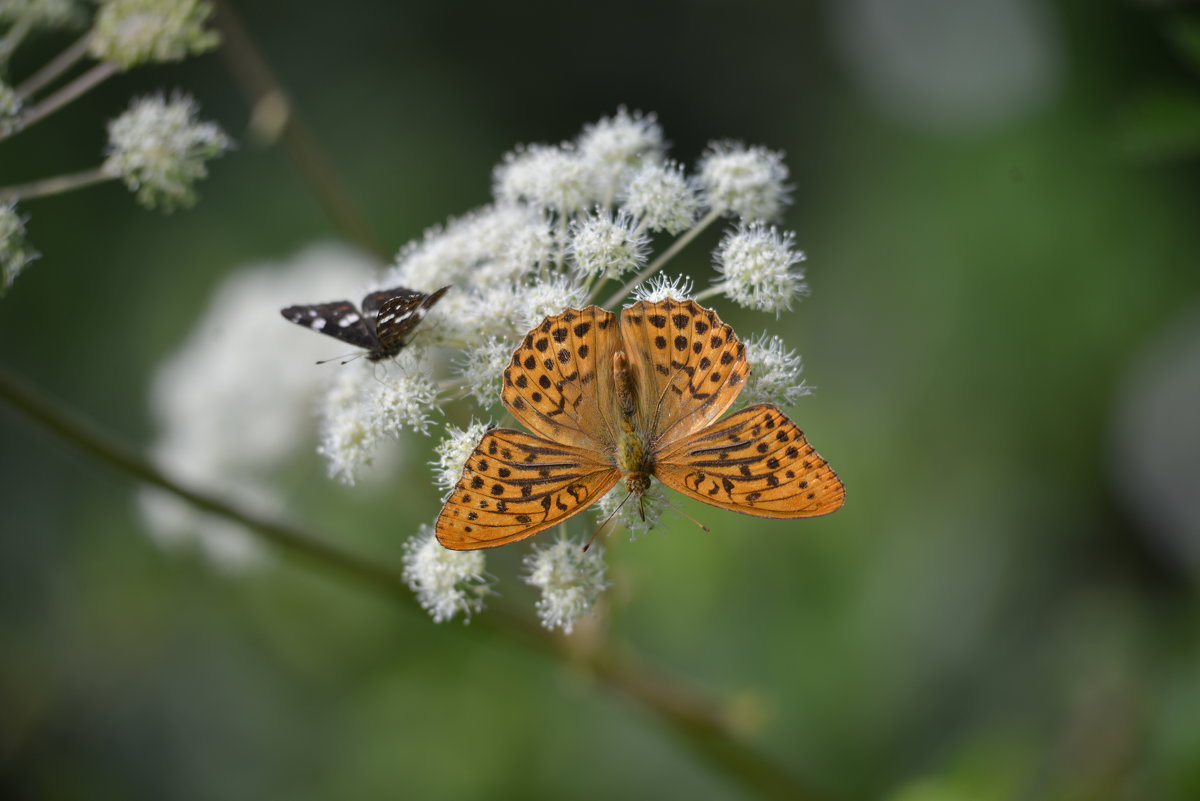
(387, 318)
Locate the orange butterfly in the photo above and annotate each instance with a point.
(633, 399)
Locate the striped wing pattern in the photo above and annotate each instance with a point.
(756, 461)
(515, 485)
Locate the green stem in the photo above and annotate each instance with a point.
(65, 95)
(262, 88)
(676, 246)
(715, 289)
(56, 67)
(52, 186)
(698, 719)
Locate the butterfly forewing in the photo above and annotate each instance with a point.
(339, 320)
(559, 383)
(690, 366)
(383, 326)
(515, 485)
(755, 461)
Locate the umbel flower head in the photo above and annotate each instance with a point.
(131, 32)
(587, 221)
(14, 251)
(159, 149)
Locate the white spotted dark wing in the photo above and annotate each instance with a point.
(339, 320)
(382, 328)
(400, 311)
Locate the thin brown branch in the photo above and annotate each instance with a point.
(52, 186)
(697, 718)
(55, 67)
(263, 90)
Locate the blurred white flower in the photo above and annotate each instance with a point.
(158, 148)
(454, 254)
(14, 250)
(549, 177)
(604, 247)
(569, 578)
(627, 513)
(42, 13)
(483, 367)
(372, 402)
(446, 582)
(949, 66)
(130, 32)
(453, 451)
(547, 298)
(747, 182)
(660, 196)
(756, 262)
(613, 148)
(10, 109)
(774, 372)
(234, 403)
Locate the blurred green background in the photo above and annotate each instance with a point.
(998, 201)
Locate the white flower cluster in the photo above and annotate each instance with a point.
(774, 373)
(10, 109)
(131, 32)
(158, 148)
(756, 264)
(446, 582)
(232, 411)
(622, 511)
(569, 223)
(569, 578)
(41, 13)
(14, 251)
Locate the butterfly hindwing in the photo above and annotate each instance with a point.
(756, 461)
(559, 383)
(690, 365)
(399, 315)
(515, 485)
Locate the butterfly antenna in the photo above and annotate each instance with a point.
(685, 514)
(345, 357)
(607, 520)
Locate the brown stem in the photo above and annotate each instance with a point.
(694, 716)
(262, 89)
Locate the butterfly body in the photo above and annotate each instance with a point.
(382, 328)
(613, 401)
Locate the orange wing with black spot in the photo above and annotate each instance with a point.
(515, 485)
(690, 366)
(559, 383)
(756, 461)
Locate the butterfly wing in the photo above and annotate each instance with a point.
(559, 383)
(338, 319)
(393, 314)
(515, 485)
(689, 366)
(756, 461)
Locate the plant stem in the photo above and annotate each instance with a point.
(14, 36)
(695, 717)
(715, 289)
(676, 246)
(52, 186)
(65, 95)
(56, 67)
(259, 85)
